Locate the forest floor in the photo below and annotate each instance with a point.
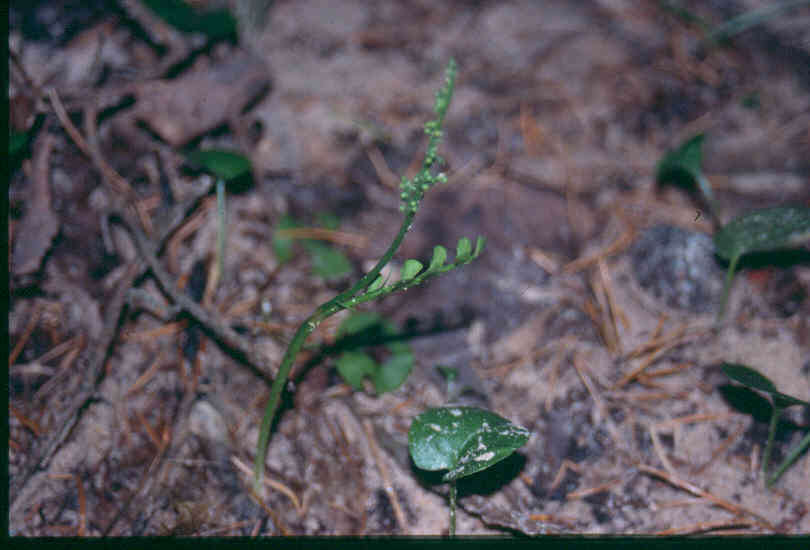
(135, 404)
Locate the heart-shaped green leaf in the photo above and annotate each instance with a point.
(754, 379)
(763, 231)
(463, 440)
(410, 269)
(225, 165)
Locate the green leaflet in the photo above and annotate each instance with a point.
(225, 165)
(438, 259)
(410, 269)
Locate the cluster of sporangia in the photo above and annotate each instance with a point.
(412, 191)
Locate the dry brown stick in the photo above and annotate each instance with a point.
(110, 175)
(220, 331)
(41, 457)
(697, 491)
(387, 485)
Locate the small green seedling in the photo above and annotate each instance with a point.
(682, 166)
(779, 402)
(372, 285)
(356, 365)
(463, 440)
(225, 166)
(763, 230)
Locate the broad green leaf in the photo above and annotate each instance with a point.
(410, 269)
(282, 246)
(353, 366)
(463, 440)
(463, 249)
(225, 165)
(215, 24)
(754, 379)
(16, 142)
(327, 261)
(760, 231)
(764, 230)
(438, 259)
(393, 372)
(682, 166)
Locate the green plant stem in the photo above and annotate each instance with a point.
(732, 266)
(766, 455)
(221, 228)
(790, 459)
(324, 311)
(453, 508)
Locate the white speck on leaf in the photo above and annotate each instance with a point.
(455, 412)
(484, 457)
(435, 427)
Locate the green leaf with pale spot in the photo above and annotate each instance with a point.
(463, 440)
(764, 230)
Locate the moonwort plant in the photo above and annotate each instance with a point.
(372, 285)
